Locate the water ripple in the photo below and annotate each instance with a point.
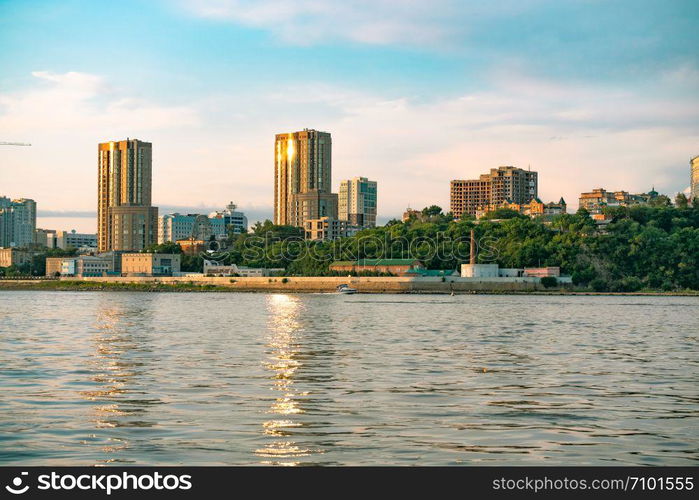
(197, 379)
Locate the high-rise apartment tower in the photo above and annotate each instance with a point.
(503, 184)
(302, 177)
(126, 221)
(357, 202)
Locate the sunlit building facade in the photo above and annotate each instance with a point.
(594, 201)
(126, 221)
(302, 177)
(503, 184)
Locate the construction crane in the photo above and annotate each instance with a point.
(3, 143)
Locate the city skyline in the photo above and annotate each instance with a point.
(427, 95)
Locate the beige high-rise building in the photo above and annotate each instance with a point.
(125, 218)
(694, 186)
(503, 184)
(302, 177)
(357, 202)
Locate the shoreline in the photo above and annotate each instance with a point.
(292, 286)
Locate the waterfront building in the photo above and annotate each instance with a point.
(500, 185)
(302, 177)
(81, 266)
(114, 258)
(480, 271)
(694, 178)
(357, 202)
(542, 272)
(214, 269)
(14, 257)
(53, 266)
(396, 267)
(150, 264)
(85, 266)
(233, 221)
(327, 228)
(594, 201)
(126, 221)
(17, 222)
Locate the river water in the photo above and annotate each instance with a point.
(232, 378)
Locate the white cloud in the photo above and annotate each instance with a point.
(367, 21)
(80, 102)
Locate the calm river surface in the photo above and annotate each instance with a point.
(232, 378)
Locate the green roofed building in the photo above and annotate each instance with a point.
(398, 267)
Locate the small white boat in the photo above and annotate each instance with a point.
(344, 288)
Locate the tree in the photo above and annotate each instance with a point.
(431, 211)
(660, 201)
(503, 213)
(681, 201)
(549, 281)
(276, 231)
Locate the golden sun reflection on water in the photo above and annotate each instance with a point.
(113, 373)
(284, 324)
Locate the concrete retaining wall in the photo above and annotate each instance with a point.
(329, 284)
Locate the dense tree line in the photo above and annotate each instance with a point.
(653, 246)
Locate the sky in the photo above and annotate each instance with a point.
(589, 93)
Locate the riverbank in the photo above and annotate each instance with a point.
(315, 285)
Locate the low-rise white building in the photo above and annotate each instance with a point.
(479, 271)
(214, 269)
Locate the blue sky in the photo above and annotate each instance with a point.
(589, 93)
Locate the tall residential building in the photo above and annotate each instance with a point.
(126, 221)
(17, 222)
(302, 177)
(694, 185)
(357, 202)
(503, 184)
